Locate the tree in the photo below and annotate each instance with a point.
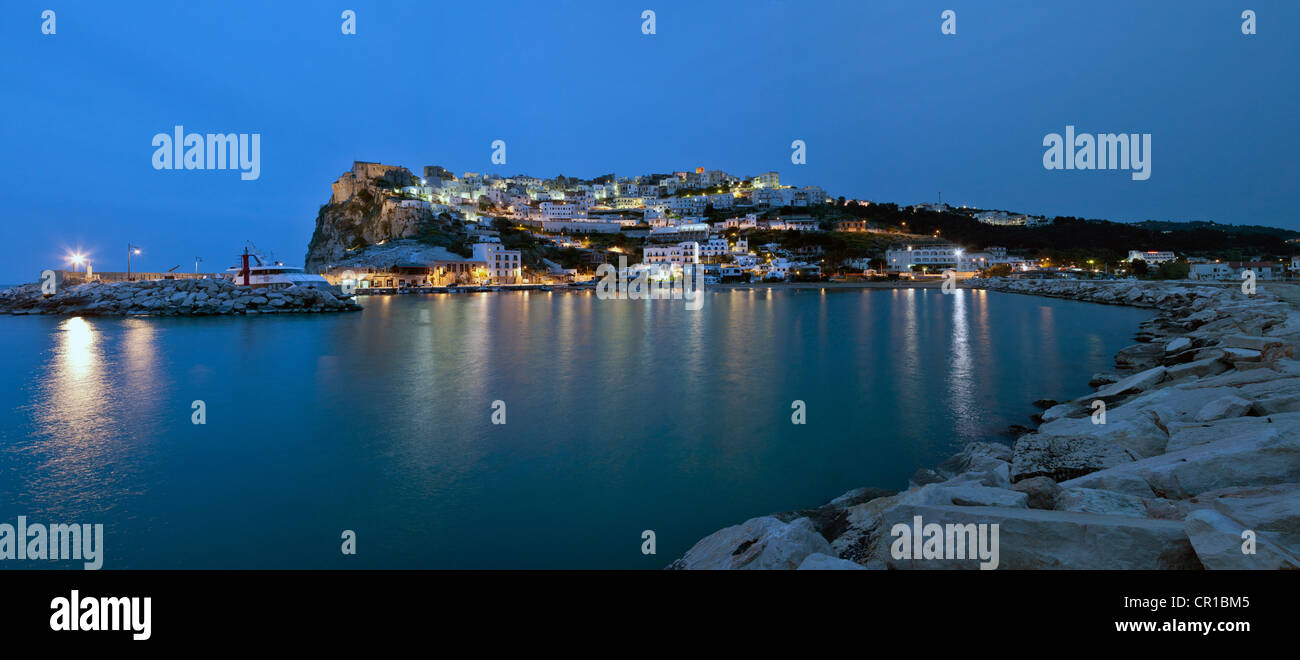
(1138, 267)
(1173, 270)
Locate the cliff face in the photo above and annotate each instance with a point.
(364, 210)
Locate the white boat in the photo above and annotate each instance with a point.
(253, 273)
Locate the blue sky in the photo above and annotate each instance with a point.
(890, 109)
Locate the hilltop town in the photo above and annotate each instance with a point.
(392, 229)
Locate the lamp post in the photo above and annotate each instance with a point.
(130, 249)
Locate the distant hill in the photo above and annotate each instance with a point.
(1231, 230)
(1078, 239)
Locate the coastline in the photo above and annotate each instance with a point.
(1200, 444)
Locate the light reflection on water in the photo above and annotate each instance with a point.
(622, 416)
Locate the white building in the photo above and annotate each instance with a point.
(1004, 219)
(503, 266)
(686, 252)
(714, 247)
(1151, 256)
(562, 211)
(932, 256)
(765, 197)
(1211, 271)
(722, 200)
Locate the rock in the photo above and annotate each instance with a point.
(1092, 500)
(1069, 409)
(1139, 356)
(1138, 382)
(1100, 379)
(1177, 344)
(1183, 435)
(1041, 492)
(1037, 539)
(971, 454)
(1219, 545)
(1272, 510)
(1044, 404)
(820, 562)
(862, 527)
(1135, 427)
(1062, 458)
(830, 519)
(922, 477)
(964, 495)
(1242, 355)
(1265, 456)
(758, 543)
(1196, 369)
(1259, 344)
(1228, 406)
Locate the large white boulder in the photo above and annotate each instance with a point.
(1262, 457)
(1037, 539)
(963, 494)
(1220, 543)
(1222, 407)
(1190, 434)
(1107, 502)
(758, 543)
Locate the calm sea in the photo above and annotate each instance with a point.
(621, 416)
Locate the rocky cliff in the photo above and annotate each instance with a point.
(367, 209)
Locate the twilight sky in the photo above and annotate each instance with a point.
(890, 109)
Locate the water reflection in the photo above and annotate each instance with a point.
(961, 380)
(74, 419)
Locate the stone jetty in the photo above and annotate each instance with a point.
(171, 298)
(1187, 456)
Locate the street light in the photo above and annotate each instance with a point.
(130, 249)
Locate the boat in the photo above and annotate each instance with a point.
(253, 272)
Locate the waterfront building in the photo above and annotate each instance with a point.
(502, 266)
(932, 256)
(686, 252)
